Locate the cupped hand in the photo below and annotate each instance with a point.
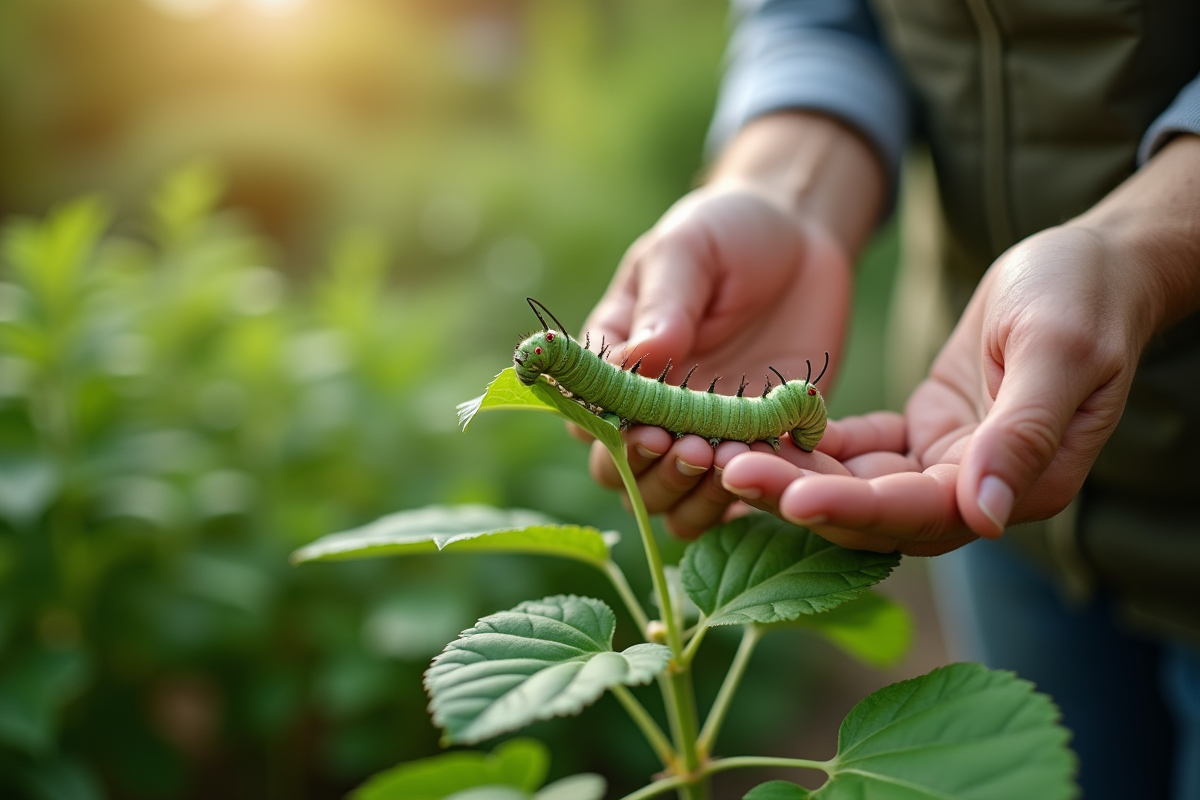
(1014, 412)
(732, 282)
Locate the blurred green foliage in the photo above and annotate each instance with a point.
(359, 197)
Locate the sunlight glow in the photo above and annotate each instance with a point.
(275, 7)
(196, 9)
(186, 9)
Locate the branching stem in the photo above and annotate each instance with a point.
(693, 645)
(641, 717)
(654, 560)
(617, 577)
(716, 715)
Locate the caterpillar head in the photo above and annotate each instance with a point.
(806, 410)
(537, 353)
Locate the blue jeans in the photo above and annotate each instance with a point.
(1133, 703)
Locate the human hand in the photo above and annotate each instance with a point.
(1017, 405)
(733, 282)
(751, 271)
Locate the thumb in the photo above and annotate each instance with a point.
(1039, 393)
(674, 289)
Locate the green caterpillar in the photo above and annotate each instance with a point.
(794, 406)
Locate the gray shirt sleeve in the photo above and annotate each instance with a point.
(1182, 116)
(820, 55)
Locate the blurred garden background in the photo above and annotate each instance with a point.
(253, 254)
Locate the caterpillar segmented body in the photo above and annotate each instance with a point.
(795, 406)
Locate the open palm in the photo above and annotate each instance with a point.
(1014, 412)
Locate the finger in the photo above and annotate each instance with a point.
(579, 433)
(725, 452)
(852, 436)
(876, 465)
(644, 445)
(905, 507)
(863, 540)
(760, 478)
(703, 507)
(675, 474)
(882, 516)
(674, 289)
(612, 316)
(1040, 390)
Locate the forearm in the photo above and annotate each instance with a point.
(1152, 222)
(819, 169)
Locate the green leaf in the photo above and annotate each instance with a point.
(466, 528)
(961, 732)
(507, 391)
(51, 257)
(520, 764)
(33, 690)
(585, 786)
(777, 790)
(28, 487)
(760, 569)
(544, 658)
(870, 627)
(186, 199)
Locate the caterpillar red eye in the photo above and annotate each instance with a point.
(549, 337)
(537, 350)
(812, 392)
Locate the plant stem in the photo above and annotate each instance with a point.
(654, 735)
(723, 765)
(617, 577)
(678, 696)
(653, 557)
(681, 706)
(693, 644)
(741, 762)
(656, 788)
(716, 715)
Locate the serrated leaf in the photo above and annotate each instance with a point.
(585, 786)
(544, 658)
(870, 627)
(961, 732)
(465, 528)
(507, 391)
(519, 764)
(777, 790)
(759, 569)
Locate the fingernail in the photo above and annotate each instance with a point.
(646, 452)
(690, 470)
(995, 500)
(719, 472)
(746, 493)
(809, 522)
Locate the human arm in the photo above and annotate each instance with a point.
(1029, 386)
(753, 269)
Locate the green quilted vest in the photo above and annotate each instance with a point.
(1033, 110)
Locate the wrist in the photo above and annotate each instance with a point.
(813, 167)
(1150, 227)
